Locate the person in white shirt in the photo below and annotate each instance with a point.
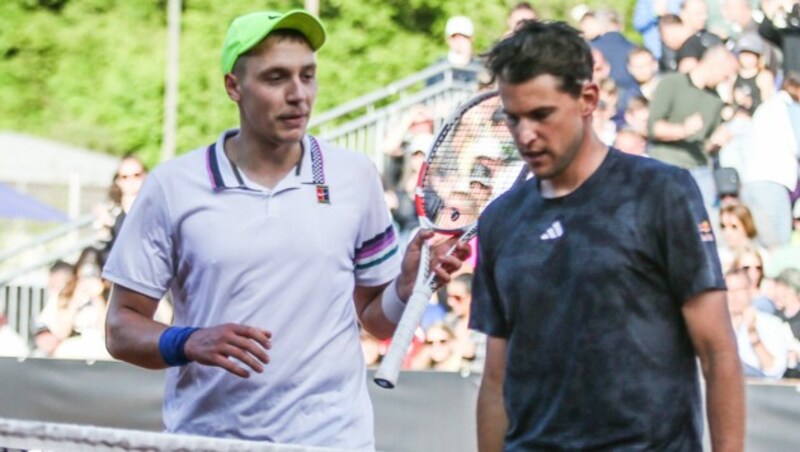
(763, 347)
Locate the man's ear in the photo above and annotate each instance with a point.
(590, 98)
(232, 87)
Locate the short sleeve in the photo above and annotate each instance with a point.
(142, 258)
(377, 254)
(688, 242)
(487, 314)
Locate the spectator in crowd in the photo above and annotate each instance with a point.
(441, 351)
(11, 343)
(371, 347)
(770, 163)
(781, 27)
(740, 17)
(760, 339)
(518, 13)
(60, 275)
(646, 17)
(600, 70)
(754, 83)
(787, 298)
(673, 35)
(630, 141)
(470, 343)
(77, 317)
(643, 68)
(685, 122)
(637, 114)
(590, 25)
(124, 187)
(400, 200)
(796, 224)
(605, 116)
(460, 34)
(615, 47)
(694, 14)
(738, 232)
(417, 121)
(716, 21)
(749, 260)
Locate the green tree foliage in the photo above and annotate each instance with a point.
(91, 72)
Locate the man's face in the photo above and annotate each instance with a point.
(458, 298)
(130, 176)
(517, 16)
(694, 14)
(739, 293)
(548, 125)
(460, 44)
(642, 66)
(276, 90)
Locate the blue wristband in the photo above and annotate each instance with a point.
(171, 343)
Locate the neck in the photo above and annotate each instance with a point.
(265, 162)
(586, 162)
(697, 76)
(748, 72)
(459, 59)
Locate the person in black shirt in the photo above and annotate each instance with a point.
(598, 281)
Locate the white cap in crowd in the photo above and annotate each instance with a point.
(459, 25)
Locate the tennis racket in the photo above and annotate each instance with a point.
(472, 161)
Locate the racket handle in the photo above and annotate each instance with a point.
(389, 369)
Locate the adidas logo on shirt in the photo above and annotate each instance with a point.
(553, 232)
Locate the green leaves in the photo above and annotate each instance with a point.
(91, 72)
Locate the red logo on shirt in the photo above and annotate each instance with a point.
(706, 233)
(323, 195)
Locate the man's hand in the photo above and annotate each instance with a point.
(442, 264)
(215, 346)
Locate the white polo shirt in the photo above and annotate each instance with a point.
(285, 260)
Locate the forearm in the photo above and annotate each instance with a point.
(133, 338)
(131, 333)
(375, 320)
(664, 130)
(765, 358)
(725, 401)
(492, 419)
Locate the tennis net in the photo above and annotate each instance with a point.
(44, 436)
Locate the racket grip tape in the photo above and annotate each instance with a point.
(389, 369)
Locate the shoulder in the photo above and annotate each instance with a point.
(672, 78)
(499, 211)
(194, 161)
(648, 175)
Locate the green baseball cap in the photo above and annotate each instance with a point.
(247, 31)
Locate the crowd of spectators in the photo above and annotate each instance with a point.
(714, 88)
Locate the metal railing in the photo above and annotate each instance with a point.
(363, 123)
(37, 254)
(22, 305)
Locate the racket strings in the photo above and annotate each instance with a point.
(473, 161)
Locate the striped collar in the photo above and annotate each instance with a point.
(224, 175)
